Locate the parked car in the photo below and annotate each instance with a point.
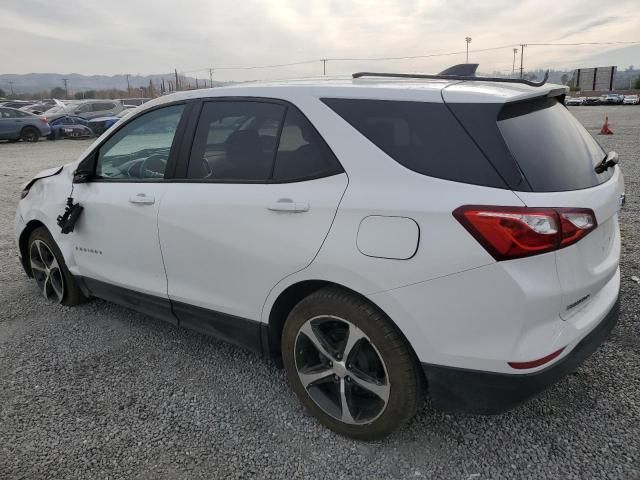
(612, 99)
(17, 103)
(69, 126)
(18, 125)
(576, 101)
(38, 108)
(631, 100)
(378, 239)
(101, 124)
(592, 101)
(87, 109)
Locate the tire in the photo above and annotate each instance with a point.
(50, 271)
(331, 315)
(30, 134)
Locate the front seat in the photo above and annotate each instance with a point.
(245, 158)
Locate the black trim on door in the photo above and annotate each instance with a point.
(240, 331)
(141, 302)
(250, 334)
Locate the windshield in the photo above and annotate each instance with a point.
(553, 150)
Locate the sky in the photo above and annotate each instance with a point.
(156, 36)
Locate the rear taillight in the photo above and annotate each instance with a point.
(516, 232)
(43, 119)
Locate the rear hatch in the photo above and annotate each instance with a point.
(555, 157)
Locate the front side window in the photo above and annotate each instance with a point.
(140, 150)
(235, 140)
(4, 113)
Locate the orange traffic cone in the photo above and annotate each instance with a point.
(605, 130)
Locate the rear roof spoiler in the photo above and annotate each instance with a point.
(462, 72)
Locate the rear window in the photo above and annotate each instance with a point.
(553, 150)
(423, 137)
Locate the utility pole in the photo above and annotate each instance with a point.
(66, 88)
(128, 86)
(177, 84)
(515, 52)
(211, 76)
(468, 40)
(324, 67)
(11, 87)
(522, 45)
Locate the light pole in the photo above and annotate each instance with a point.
(515, 52)
(468, 40)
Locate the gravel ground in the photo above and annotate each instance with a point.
(99, 391)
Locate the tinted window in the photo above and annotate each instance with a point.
(5, 113)
(552, 148)
(83, 108)
(424, 137)
(99, 107)
(235, 141)
(140, 150)
(301, 152)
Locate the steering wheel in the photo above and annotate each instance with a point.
(146, 167)
(206, 169)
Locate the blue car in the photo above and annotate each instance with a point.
(18, 125)
(102, 124)
(69, 126)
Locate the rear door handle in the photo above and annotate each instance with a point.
(142, 199)
(288, 205)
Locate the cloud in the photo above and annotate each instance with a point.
(147, 36)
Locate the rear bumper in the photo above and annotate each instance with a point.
(490, 393)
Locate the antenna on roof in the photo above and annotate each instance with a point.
(462, 70)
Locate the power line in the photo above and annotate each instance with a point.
(411, 57)
(581, 43)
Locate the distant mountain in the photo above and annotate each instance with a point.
(38, 82)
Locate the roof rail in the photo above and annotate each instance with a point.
(441, 76)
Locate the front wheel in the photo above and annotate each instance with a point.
(349, 365)
(49, 270)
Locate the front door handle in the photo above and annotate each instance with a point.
(288, 205)
(142, 199)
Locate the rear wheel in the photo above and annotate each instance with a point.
(30, 134)
(49, 270)
(349, 366)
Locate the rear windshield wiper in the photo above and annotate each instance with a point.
(609, 160)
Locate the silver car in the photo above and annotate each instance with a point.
(87, 109)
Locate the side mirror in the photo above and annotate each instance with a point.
(81, 177)
(84, 172)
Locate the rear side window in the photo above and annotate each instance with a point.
(423, 137)
(302, 153)
(553, 150)
(235, 141)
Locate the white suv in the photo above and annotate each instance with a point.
(379, 237)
